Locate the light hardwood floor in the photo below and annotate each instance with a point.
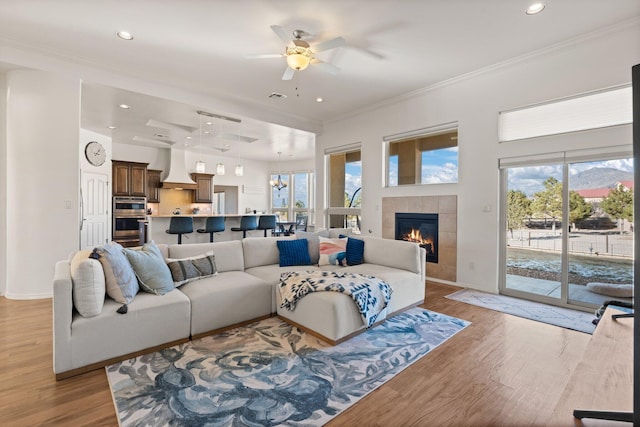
(500, 371)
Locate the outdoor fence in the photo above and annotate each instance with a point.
(611, 243)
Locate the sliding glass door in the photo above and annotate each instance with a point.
(568, 235)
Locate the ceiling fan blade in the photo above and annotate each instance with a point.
(264, 56)
(288, 73)
(282, 34)
(328, 44)
(325, 66)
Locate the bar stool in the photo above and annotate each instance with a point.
(180, 225)
(247, 223)
(214, 224)
(267, 222)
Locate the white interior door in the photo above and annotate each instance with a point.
(94, 222)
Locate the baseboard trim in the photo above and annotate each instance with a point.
(13, 296)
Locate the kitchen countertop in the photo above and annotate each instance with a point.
(203, 215)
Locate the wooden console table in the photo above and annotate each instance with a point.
(603, 380)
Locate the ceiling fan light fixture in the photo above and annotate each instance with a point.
(298, 57)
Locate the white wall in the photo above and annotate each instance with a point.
(42, 178)
(474, 102)
(3, 184)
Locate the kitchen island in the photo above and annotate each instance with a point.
(159, 224)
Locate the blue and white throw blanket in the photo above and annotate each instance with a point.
(370, 293)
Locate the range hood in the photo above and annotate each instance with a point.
(178, 178)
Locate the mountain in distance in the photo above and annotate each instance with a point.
(598, 178)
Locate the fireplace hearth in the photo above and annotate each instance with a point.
(421, 228)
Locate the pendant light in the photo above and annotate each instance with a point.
(200, 166)
(279, 183)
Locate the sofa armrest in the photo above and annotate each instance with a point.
(62, 317)
(423, 264)
(394, 253)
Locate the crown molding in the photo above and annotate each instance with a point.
(569, 43)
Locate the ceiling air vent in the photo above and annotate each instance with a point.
(277, 95)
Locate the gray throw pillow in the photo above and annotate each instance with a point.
(197, 267)
(121, 281)
(313, 243)
(153, 274)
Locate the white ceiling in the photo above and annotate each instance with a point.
(392, 48)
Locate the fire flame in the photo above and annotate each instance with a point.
(415, 236)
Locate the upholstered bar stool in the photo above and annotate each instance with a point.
(266, 223)
(214, 224)
(180, 225)
(248, 222)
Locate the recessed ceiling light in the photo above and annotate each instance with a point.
(535, 8)
(187, 137)
(111, 127)
(125, 35)
(124, 106)
(319, 99)
(206, 132)
(208, 123)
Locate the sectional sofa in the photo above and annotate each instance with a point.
(244, 289)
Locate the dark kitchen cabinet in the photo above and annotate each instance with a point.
(204, 181)
(129, 178)
(153, 185)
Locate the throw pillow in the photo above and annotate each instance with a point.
(150, 269)
(185, 270)
(313, 242)
(121, 281)
(294, 252)
(333, 252)
(355, 251)
(89, 288)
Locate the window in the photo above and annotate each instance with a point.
(426, 156)
(344, 185)
(294, 201)
(610, 107)
(567, 214)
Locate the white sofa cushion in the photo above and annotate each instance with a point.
(330, 314)
(261, 250)
(88, 284)
(229, 255)
(226, 299)
(151, 320)
(408, 288)
(313, 242)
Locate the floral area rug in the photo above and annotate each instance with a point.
(558, 316)
(270, 373)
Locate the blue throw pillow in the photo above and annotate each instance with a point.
(355, 251)
(294, 252)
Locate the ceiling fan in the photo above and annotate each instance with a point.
(300, 53)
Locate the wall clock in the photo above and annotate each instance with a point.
(95, 153)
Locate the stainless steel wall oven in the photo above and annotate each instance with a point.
(127, 214)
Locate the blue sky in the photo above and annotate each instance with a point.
(530, 179)
(438, 167)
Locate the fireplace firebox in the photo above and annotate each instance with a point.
(421, 228)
